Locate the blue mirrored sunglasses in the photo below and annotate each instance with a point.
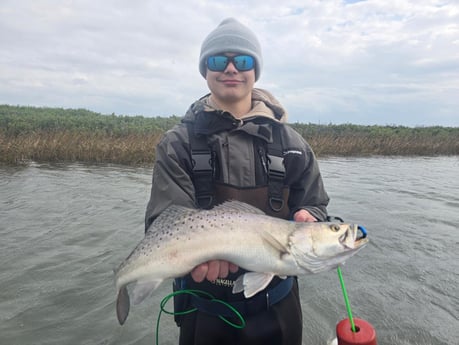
(218, 63)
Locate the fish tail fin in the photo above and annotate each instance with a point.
(122, 305)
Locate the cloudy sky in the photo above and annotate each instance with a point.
(386, 62)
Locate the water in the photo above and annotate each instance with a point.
(65, 228)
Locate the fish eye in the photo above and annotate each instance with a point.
(334, 227)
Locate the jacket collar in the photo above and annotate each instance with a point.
(265, 113)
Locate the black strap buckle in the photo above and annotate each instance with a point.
(276, 175)
(201, 161)
(276, 167)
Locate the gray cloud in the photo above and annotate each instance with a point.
(364, 62)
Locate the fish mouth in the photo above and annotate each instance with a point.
(355, 237)
(361, 233)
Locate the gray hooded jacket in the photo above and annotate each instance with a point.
(238, 145)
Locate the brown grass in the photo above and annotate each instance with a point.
(139, 148)
(72, 146)
(361, 145)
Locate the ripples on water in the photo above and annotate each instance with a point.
(65, 228)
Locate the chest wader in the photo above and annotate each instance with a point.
(271, 198)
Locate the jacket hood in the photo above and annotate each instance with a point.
(264, 104)
(267, 100)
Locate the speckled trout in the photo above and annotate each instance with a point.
(181, 238)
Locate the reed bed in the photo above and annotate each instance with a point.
(139, 148)
(330, 145)
(73, 146)
(353, 140)
(78, 135)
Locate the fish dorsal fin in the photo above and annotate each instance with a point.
(237, 206)
(174, 212)
(171, 214)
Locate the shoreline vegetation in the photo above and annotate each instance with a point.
(55, 135)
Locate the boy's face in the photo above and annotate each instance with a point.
(230, 85)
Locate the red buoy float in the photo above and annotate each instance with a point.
(364, 333)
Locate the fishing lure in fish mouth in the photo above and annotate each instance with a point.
(363, 232)
(360, 233)
(181, 238)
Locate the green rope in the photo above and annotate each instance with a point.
(197, 293)
(234, 310)
(346, 299)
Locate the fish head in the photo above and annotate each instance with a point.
(319, 247)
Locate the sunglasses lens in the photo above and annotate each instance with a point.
(217, 63)
(243, 62)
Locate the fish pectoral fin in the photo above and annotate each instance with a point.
(142, 289)
(252, 283)
(122, 305)
(274, 243)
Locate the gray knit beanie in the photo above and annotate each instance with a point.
(231, 37)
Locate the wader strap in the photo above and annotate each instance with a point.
(203, 171)
(203, 164)
(276, 171)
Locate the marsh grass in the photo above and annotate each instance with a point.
(331, 145)
(69, 135)
(73, 146)
(353, 140)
